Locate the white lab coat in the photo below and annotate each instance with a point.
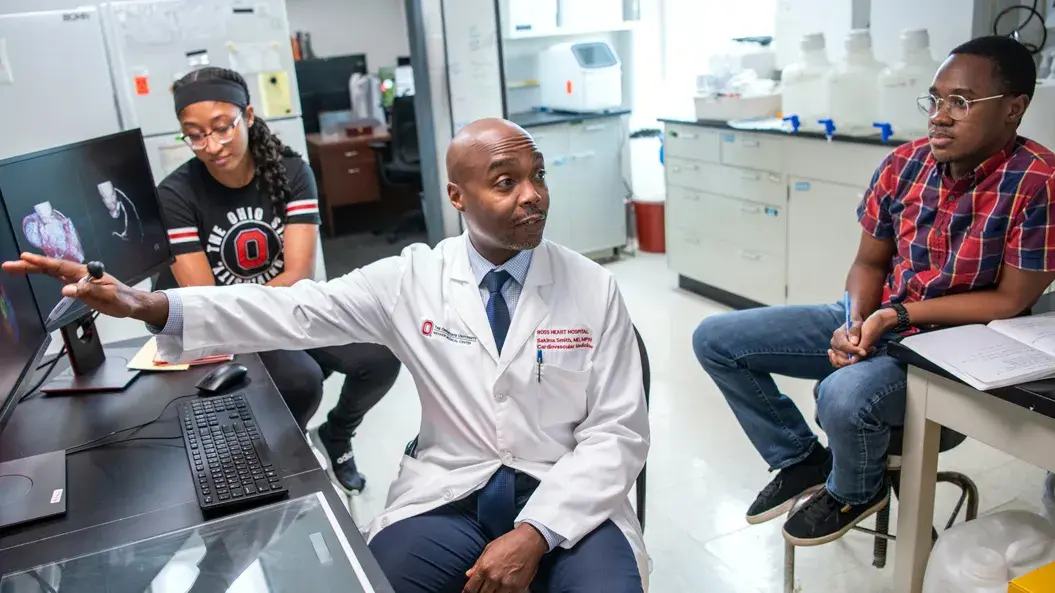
(582, 429)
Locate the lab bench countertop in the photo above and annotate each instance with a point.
(777, 130)
(532, 119)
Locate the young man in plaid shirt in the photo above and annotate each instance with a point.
(958, 229)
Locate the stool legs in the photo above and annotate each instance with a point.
(968, 502)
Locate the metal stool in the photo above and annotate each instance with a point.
(948, 440)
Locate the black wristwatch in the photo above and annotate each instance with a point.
(903, 322)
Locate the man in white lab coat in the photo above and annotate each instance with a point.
(534, 425)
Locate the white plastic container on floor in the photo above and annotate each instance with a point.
(901, 85)
(804, 83)
(984, 555)
(853, 100)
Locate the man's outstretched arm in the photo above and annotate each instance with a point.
(243, 318)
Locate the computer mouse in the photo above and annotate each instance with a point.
(222, 378)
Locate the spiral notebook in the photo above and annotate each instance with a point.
(1000, 354)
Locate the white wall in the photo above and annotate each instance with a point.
(377, 28)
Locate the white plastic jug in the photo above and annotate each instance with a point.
(805, 93)
(901, 85)
(853, 100)
(984, 555)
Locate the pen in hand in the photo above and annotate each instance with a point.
(846, 305)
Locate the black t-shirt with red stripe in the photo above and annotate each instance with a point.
(238, 229)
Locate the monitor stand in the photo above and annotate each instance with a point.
(91, 371)
(32, 488)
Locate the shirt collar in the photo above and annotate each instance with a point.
(517, 266)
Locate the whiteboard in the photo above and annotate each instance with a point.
(473, 72)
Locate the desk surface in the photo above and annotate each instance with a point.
(1037, 396)
(318, 140)
(132, 491)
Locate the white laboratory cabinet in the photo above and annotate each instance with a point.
(588, 181)
(765, 217)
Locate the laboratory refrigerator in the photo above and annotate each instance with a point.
(88, 71)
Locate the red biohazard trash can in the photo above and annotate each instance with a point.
(651, 231)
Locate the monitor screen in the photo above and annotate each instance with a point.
(22, 335)
(93, 200)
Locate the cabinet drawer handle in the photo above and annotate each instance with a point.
(773, 177)
(351, 153)
(693, 197)
(595, 128)
(750, 209)
(750, 177)
(354, 171)
(750, 143)
(750, 256)
(689, 136)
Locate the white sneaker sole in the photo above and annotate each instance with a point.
(316, 441)
(838, 534)
(783, 509)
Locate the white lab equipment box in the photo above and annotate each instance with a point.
(54, 81)
(581, 77)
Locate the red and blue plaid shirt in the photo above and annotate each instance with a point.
(955, 235)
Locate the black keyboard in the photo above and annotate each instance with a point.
(229, 459)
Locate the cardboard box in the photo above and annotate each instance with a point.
(1041, 580)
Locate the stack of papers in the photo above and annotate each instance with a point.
(1003, 353)
(147, 360)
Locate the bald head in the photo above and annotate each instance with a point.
(471, 147)
(497, 180)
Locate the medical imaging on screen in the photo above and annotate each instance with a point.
(122, 209)
(53, 233)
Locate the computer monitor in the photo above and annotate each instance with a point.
(28, 485)
(323, 86)
(89, 201)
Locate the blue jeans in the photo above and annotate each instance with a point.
(856, 405)
(430, 553)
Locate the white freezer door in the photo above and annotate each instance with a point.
(156, 42)
(54, 81)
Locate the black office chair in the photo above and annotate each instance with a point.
(399, 164)
(646, 380)
(948, 440)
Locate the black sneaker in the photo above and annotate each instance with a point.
(790, 484)
(341, 468)
(823, 519)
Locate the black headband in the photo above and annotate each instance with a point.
(212, 89)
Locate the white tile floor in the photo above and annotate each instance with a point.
(703, 473)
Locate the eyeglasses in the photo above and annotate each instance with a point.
(958, 106)
(222, 134)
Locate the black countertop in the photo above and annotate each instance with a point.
(724, 125)
(131, 492)
(547, 118)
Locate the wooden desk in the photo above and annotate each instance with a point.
(345, 171)
(1018, 420)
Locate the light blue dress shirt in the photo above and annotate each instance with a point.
(517, 266)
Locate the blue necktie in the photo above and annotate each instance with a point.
(496, 501)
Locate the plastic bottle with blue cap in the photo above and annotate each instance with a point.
(803, 84)
(853, 103)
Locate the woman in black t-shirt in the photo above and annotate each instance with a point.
(246, 209)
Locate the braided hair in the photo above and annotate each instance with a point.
(265, 147)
